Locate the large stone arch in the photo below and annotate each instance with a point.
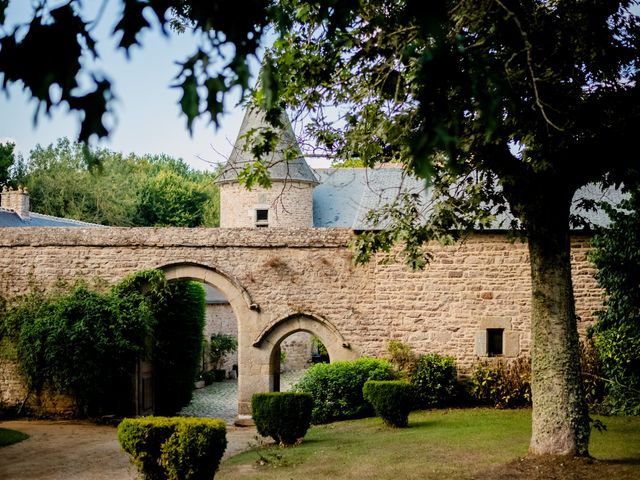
(269, 339)
(247, 316)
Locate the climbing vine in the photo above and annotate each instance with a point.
(86, 343)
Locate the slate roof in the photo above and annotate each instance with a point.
(279, 168)
(9, 218)
(345, 196)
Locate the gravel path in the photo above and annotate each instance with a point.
(78, 450)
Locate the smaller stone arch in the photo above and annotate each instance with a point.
(272, 335)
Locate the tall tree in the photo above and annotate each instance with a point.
(510, 104)
(504, 106)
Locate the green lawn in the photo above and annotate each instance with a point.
(451, 444)
(7, 436)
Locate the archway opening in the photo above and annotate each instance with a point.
(215, 392)
(228, 307)
(294, 354)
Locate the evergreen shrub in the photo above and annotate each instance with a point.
(336, 387)
(435, 380)
(392, 400)
(283, 416)
(174, 448)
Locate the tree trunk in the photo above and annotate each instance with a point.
(560, 424)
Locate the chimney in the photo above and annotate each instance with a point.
(16, 200)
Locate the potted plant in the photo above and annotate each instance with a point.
(199, 382)
(220, 344)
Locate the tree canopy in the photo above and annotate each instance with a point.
(122, 191)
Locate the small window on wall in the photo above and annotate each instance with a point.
(262, 217)
(495, 342)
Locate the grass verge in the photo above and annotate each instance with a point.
(8, 436)
(452, 444)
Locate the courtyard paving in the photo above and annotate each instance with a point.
(220, 399)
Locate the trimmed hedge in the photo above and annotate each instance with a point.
(174, 448)
(336, 387)
(392, 400)
(283, 416)
(435, 380)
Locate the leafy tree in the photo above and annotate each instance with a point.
(511, 105)
(6, 160)
(617, 333)
(122, 191)
(505, 107)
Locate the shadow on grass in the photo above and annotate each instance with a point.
(620, 461)
(424, 424)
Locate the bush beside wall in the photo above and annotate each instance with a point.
(336, 387)
(435, 380)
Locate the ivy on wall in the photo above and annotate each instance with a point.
(86, 343)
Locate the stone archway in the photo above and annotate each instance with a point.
(245, 310)
(270, 338)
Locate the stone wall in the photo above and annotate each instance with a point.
(220, 319)
(274, 278)
(297, 348)
(290, 204)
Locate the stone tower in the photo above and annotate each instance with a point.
(289, 201)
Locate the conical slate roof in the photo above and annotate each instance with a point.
(279, 168)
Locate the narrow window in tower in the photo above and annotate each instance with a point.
(262, 217)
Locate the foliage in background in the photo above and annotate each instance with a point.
(402, 357)
(177, 345)
(123, 191)
(616, 256)
(593, 378)
(392, 400)
(435, 380)
(283, 416)
(502, 383)
(7, 159)
(86, 343)
(336, 387)
(175, 448)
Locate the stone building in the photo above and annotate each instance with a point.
(279, 270)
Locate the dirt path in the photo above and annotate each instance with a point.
(74, 450)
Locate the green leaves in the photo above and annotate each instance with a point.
(131, 23)
(131, 191)
(617, 332)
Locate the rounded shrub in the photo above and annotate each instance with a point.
(283, 416)
(174, 448)
(392, 400)
(336, 387)
(435, 380)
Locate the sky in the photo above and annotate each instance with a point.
(148, 119)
